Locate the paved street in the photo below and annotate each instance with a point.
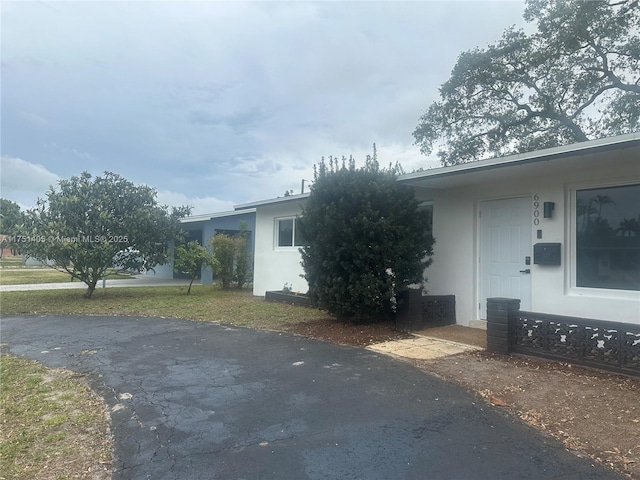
(195, 400)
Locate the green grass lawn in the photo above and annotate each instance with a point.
(206, 302)
(53, 425)
(29, 275)
(11, 262)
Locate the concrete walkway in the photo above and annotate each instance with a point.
(139, 281)
(422, 347)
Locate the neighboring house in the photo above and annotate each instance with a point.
(202, 228)
(557, 228)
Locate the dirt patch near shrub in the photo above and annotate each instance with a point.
(335, 331)
(594, 413)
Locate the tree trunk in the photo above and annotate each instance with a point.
(190, 283)
(91, 286)
(578, 133)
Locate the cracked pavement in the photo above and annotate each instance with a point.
(195, 400)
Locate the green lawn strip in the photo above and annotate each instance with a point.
(11, 262)
(53, 426)
(26, 275)
(22, 277)
(206, 302)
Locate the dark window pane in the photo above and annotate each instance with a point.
(285, 233)
(300, 240)
(608, 238)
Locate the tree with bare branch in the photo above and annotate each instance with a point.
(576, 78)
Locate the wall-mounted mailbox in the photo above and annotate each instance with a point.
(546, 254)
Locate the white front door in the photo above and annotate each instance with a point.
(505, 249)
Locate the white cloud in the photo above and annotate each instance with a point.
(200, 205)
(220, 103)
(36, 120)
(20, 177)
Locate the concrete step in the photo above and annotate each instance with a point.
(481, 324)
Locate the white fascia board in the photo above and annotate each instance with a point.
(211, 216)
(271, 201)
(574, 149)
(196, 218)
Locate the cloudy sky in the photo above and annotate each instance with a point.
(220, 103)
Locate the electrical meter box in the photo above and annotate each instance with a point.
(546, 254)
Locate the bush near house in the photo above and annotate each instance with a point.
(190, 259)
(231, 258)
(366, 240)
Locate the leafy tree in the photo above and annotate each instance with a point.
(576, 78)
(243, 262)
(190, 259)
(88, 225)
(366, 237)
(232, 257)
(11, 217)
(224, 251)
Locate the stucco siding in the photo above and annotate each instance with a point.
(275, 266)
(456, 228)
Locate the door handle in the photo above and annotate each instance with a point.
(528, 270)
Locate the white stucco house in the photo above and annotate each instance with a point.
(557, 228)
(276, 255)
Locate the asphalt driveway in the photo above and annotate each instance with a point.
(193, 400)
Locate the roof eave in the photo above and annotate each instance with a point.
(211, 216)
(271, 201)
(575, 149)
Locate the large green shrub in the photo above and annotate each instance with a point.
(367, 239)
(232, 258)
(224, 253)
(243, 262)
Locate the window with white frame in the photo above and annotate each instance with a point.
(607, 243)
(289, 233)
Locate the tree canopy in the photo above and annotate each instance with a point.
(190, 258)
(365, 239)
(88, 225)
(10, 216)
(576, 78)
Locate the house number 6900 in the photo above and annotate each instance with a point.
(536, 211)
